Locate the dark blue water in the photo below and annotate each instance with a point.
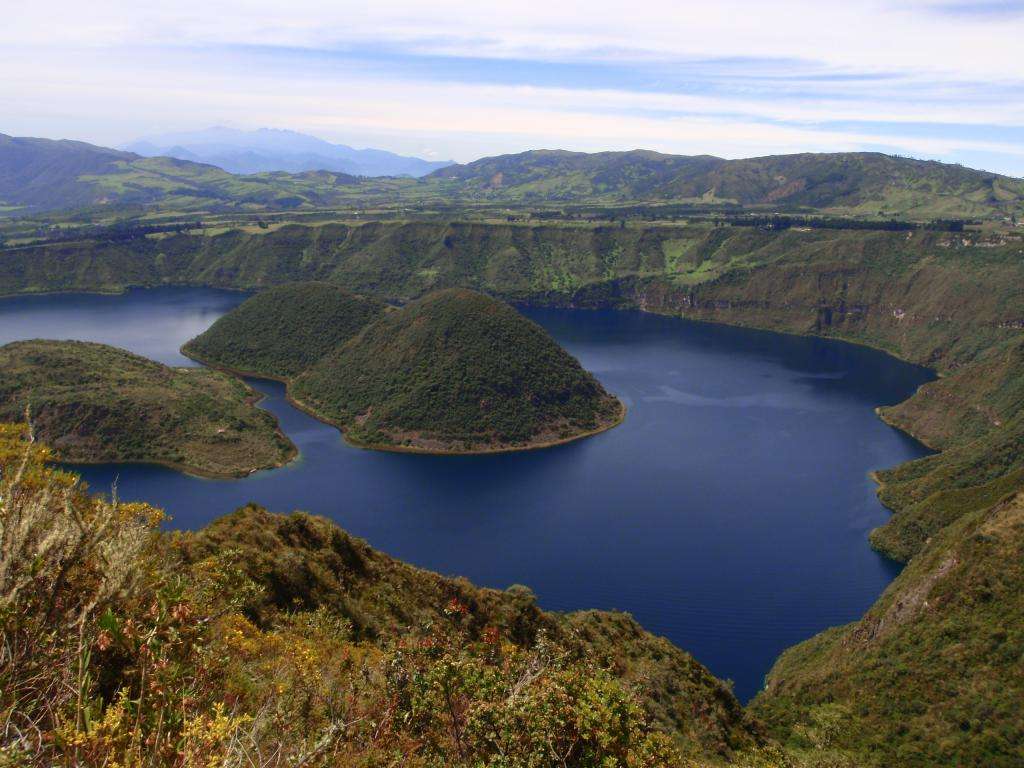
(729, 512)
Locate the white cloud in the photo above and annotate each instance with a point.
(112, 69)
(863, 35)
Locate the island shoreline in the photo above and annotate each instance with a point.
(308, 410)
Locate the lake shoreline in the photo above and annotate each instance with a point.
(572, 525)
(515, 301)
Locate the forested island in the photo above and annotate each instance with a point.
(453, 372)
(93, 403)
(282, 331)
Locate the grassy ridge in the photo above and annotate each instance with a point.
(282, 640)
(456, 370)
(281, 332)
(932, 675)
(39, 174)
(94, 403)
(862, 183)
(981, 461)
(307, 563)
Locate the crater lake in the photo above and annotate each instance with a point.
(729, 512)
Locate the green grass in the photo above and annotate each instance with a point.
(949, 301)
(932, 675)
(848, 183)
(976, 416)
(74, 176)
(456, 371)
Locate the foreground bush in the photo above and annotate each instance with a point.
(117, 651)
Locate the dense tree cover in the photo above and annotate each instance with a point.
(129, 646)
(949, 300)
(456, 370)
(91, 403)
(282, 331)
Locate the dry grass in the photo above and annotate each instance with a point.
(64, 556)
(116, 652)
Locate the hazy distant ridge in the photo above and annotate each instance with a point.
(269, 149)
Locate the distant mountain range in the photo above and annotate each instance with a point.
(42, 174)
(269, 149)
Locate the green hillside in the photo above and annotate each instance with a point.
(932, 675)
(861, 183)
(976, 416)
(46, 175)
(855, 182)
(561, 175)
(936, 298)
(456, 371)
(951, 301)
(307, 563)
(285, 640)
(94, 403)
(280, 332)
(39, 175)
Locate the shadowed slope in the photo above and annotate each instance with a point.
(282, 331)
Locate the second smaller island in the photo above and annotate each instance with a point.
(453, 372)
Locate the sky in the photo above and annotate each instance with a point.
(461, 79)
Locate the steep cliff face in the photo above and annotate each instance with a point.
(932, 675)
(913, 296)
(969, 403)
(951, 301)
(937, 298)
